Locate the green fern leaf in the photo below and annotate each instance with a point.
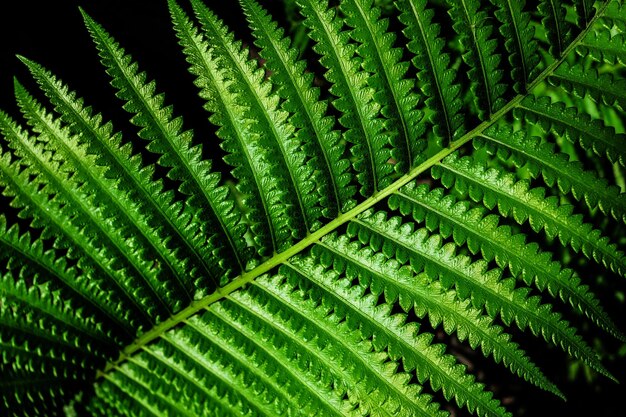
(604, 46)
(370, 145)
(449, 178)
(482, 233)
(517, 200)
(434, 69)
(167, 293)
(167, 138)
(522, 48)
(78, 163)
(308, 113)
(614, 14)
(480, 54)
(393, 91)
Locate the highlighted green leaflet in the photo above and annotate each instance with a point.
(308, 113)
(394, 91)
(165, 136)
(369, 144)
(438, 78)
(118, 162)
(518, 200)
(294, 178)
(481, 233)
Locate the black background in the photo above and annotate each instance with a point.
(52, 34)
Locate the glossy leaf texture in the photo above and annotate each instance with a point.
(399, 176)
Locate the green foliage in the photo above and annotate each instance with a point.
(453, 172)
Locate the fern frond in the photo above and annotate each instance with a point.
(516, 199)
(360, 312)
(295, 179)
(148, 389)
(116, 399)
(578, 127)
(556, 170)
(99, 408)
(165, 136)
(349, 243)
(485, 288)
(475, 35)
(393, 91)
(370, 379)
(482, 234)
(260, 362)
(438, 78)
(378, 385)
(42, 331)
(34, 360)
(138, 396)
(588, 82)
(52, 392)
(355, 99)
(308, 112)
(559, 31)
(119, 163)
(518, 33)
(272, 358)
(166, 366)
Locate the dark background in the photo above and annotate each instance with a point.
(52, 34)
